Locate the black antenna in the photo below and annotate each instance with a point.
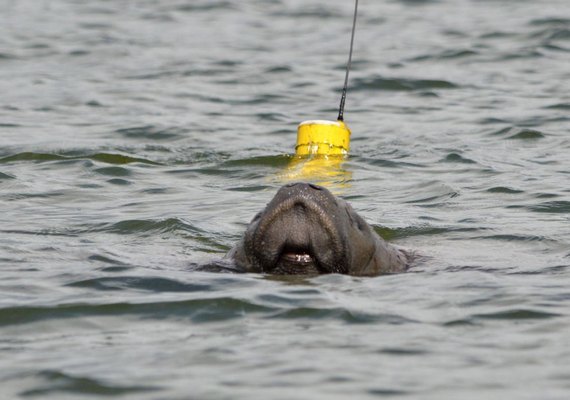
(343, 97)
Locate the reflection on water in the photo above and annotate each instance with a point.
(327, 171)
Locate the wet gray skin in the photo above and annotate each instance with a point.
(306, 230)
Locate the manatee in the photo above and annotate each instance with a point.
(306, 230)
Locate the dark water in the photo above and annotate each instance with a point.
(139, 137)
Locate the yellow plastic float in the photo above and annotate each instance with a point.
(322, 147)
(322, 138)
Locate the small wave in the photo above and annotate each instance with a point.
(388, 163)
(550, 21)
(272, 116)
(422, 230)
(79, 53)
(251, 189)
(559, 106)
(418, 2)
(152, 132)
(196, 310)
(527, 134)
(27, 156)
(107, 158)
(552, 37)
(399, 84)
(491, 121)
(340, 313)
(515, 238)
(497, 35)
(555, 207)
(555, 32)
(151, 284)
(504, 189)
(94, 103)
(457, 158)
(400, 351)
(155, 75)
(512, 133)
(509, 315)
(291, 297)
(115, 159)
(520, 54)
(278, 69)
(445, 55)
(255, 99)
(392, 392)
(7, 56)
(309, 12)
(4, 176)
(107, 260)
(60, 382)
(435, 200)
(128, 227)
(553, 270)
(279, 161)
(119, 182)
(113, 171)
(517, 314)
(206, 6)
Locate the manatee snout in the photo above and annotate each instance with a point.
(296, 233)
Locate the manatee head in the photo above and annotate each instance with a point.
(306, 230)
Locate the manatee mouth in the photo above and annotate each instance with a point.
(297, 254)
(297, 260)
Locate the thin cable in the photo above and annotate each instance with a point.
(343, 97)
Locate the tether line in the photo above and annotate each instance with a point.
(343, 97)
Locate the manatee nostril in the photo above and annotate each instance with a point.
(313, 186)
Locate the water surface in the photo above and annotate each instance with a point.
(137, 139)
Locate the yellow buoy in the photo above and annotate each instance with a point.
(320, 137)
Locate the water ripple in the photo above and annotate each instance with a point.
(152, 132)
(341, 314)
(516, 314)
(421, 230)
(399, 84)
(151, 284)
(59, 382)
(505, 190)
(516, 238)
(458, 158)
(197, 310)
(556, 207)
(558, 106)
(513, 133)
(206, 6)
(507, 315)
(446, 55)
(128, 227)
(4, 176)
(108, 158)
